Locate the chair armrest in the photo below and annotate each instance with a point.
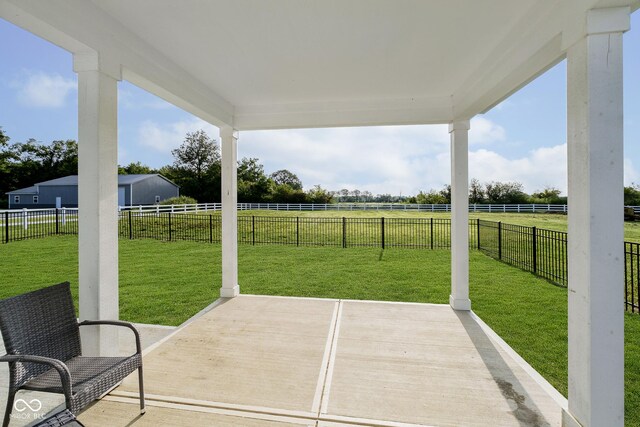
(116, 323)
(58, 365)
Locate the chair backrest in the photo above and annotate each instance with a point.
(40, 323)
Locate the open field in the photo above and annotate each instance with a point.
(166, 283)
(556, 222)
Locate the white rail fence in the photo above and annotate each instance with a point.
(515, 208)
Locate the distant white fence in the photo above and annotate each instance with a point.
(521, 208)
(204, 207)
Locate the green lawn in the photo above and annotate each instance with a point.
(166, 283)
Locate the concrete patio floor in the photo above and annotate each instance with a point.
(275, 361)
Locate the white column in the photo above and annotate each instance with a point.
(459, 298)
(98, 203)
(596, 257)
(230, 286)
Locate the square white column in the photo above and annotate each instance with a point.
(459, 298)
(97, 203)
(596, 233)
(230, 287)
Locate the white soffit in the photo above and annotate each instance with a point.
(262, 64)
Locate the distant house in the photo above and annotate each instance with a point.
(63, 192)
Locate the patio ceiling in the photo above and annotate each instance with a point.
(256, 64)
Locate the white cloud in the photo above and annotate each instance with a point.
(542, 167)
(484, 131)
(165, 137)
(44, 90)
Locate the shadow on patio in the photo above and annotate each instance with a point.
(267, 361)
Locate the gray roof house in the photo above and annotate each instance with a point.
(63, 192)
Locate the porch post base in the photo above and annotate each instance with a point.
(230, 292)
(460, 304)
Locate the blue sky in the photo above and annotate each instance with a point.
(522, 139)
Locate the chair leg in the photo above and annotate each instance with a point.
(141, 390)
(7, 414)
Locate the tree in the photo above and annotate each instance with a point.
(319, 195)
(632, 195)
(60, 158)
(253, 184)
(284, 193)
(476, 191)
(548, 195)
(433, 197)
(4, 139)
(505, 192)
(5, 157)
(136, 168)
(196, 154)
(5, 154)
(446, 193)
(196, 167)
(284, 176)
(34, 162)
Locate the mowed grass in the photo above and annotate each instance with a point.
(166, 283)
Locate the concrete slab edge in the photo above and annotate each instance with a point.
(539, 379)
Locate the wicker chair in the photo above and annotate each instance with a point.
(42, 339)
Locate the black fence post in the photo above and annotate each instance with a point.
(253, 230)
(130, 227)
(431, 232)
(6, 227)
(534, 241)
(626, 282)
(382, 230)
(57, 221)
(344, 232)
(297, 231)
(500, 240)
(210, 228)
(478, 231)
(169, 226)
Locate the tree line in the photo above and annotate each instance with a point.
(197, 168)
(493, 192)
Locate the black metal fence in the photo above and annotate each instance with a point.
(540, 251)
(343, 232)
(33, 224)
(632, 276)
